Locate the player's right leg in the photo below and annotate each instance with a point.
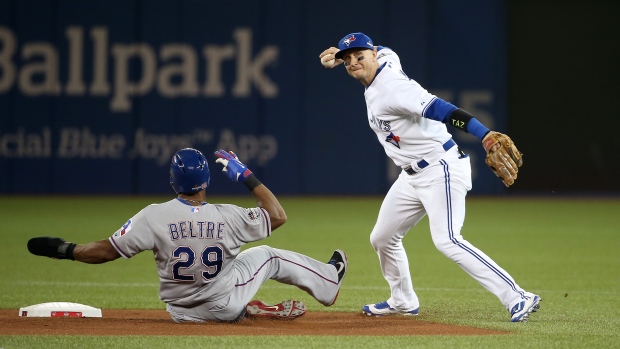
(258, 264)
(399, 211)
(293, 309)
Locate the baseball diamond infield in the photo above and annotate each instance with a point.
(158, 323)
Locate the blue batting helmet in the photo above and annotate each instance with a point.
(189, 171)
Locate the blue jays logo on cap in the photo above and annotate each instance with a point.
(348, 40)
(354, 40)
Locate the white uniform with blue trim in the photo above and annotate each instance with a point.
(203, 275)
(435, 179)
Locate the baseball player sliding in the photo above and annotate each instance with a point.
(196, 247)
(410, 123)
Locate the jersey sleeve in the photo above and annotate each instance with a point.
(247, 224)
(134, 236)
(407, 97)
(385, 55)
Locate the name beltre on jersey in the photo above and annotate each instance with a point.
(196, 230)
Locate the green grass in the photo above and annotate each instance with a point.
(566, 250)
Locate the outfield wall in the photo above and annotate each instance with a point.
(95, 96)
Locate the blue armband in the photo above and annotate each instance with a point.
(477, 129)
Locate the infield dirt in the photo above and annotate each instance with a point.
(158, 323)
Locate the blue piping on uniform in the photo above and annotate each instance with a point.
(457, 243)
(377, 73)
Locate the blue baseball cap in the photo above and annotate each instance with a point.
(354, 40)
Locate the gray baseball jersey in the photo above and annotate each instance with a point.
(202, 274)
(192, 245)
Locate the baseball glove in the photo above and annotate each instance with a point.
(502, 156)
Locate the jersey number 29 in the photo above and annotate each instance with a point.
(211, 258)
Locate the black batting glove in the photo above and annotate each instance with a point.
(51, 247)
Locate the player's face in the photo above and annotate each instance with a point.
(361, 64)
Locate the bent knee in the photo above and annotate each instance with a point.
(381, 241)
(376, 241)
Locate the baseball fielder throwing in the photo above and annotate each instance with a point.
(196, 247)
(410, 123)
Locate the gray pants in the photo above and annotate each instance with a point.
(252, 268)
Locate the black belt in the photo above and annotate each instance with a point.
(422, 163)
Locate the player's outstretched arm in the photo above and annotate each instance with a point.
(238, 172)
(96, 252)
(92, 253)
(328, 58)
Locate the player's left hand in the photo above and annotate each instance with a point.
(503, 157)
(233, 168)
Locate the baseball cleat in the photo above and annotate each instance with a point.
(287, 310)
(522, 310)
(383, 308)
(340, 262)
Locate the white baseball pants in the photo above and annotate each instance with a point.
(438, 190)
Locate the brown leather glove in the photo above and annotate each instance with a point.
(503, 157)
